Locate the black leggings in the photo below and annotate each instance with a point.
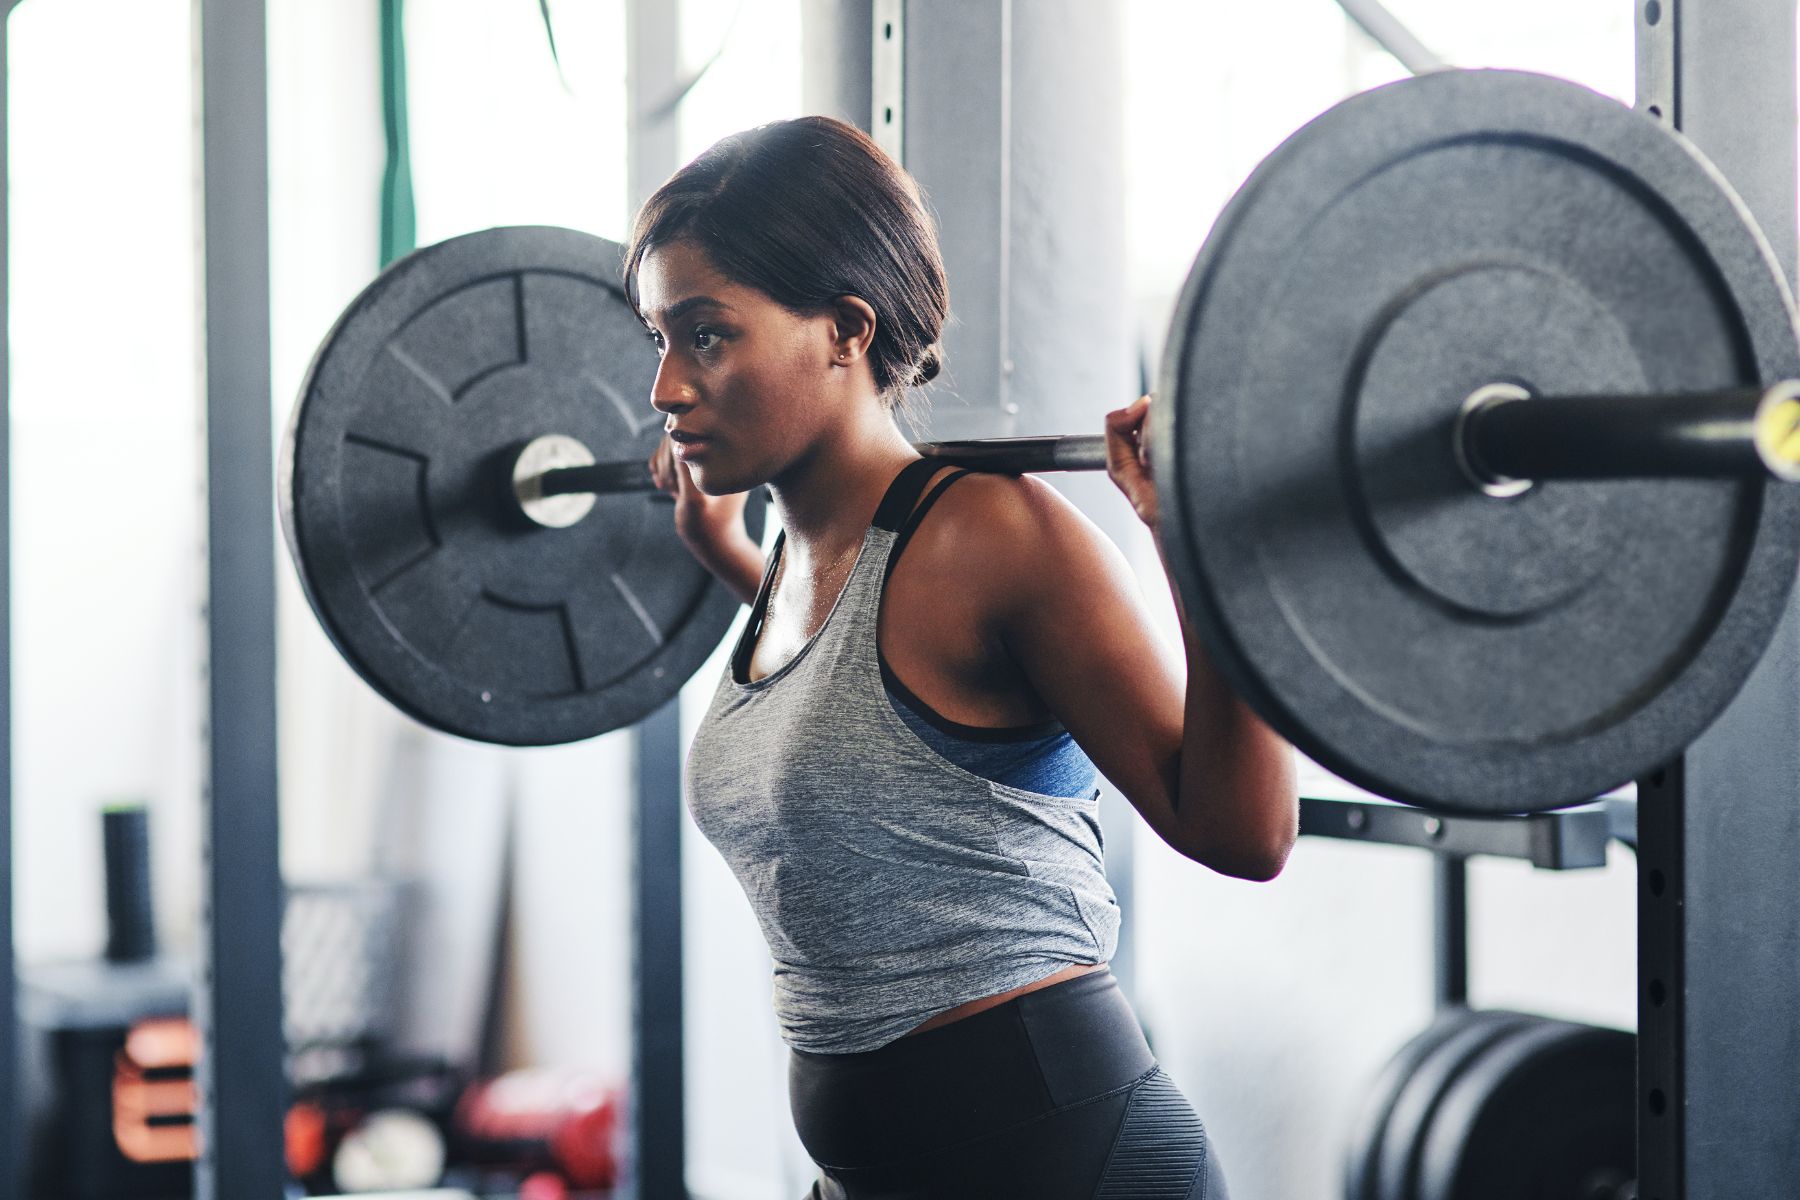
(1052, 1096)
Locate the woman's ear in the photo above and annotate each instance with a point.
(853, 329)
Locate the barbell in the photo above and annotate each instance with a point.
(1472, 454)
(554, 479)
(1502, 449)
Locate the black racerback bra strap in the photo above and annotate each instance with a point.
(892, 515)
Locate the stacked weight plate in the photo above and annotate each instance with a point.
(1495, 1105)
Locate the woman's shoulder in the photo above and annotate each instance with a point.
(1008, 529)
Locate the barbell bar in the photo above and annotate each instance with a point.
(549, 481)
(553, 477)
(1504, 446)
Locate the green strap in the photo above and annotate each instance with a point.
(399, 233)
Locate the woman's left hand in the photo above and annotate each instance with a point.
(1128, 457)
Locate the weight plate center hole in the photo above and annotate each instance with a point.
(552, 451)
(1488, 483)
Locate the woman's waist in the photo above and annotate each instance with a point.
(1045, 1049)
(969, 1009)
(833, 999)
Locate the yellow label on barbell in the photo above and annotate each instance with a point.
(1778, 435)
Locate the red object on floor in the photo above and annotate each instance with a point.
(564, 1121)
(308, 1139)
(543, 1186)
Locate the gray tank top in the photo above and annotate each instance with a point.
(891, 884)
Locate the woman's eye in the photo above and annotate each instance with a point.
(705, 339)
(656, 339)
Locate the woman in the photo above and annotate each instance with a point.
(900, 764)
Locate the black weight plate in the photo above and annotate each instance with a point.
(1547, 1112)
(1360, 1179)
(1416, 637)
(461, 613)
(1416, 1102)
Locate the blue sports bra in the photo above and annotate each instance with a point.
(1040, 758)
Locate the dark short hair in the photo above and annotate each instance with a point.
(806, 211)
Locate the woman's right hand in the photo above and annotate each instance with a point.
(1128, 458)
(712, 527)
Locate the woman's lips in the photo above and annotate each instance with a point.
(687, 445)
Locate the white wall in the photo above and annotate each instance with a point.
(325, 159)
(105, 517)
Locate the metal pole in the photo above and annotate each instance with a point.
(238, 1000)
(887, 78)
(835, 39)
(1718, 922)
(1392, 35)
(1663, 1127)
(653, 71)
(12, 1178)
(659, 1132)
(658, 1166)
(1450, 929)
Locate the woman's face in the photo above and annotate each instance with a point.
(743, 381)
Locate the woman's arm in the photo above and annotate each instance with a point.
(1204, 771)
(1234, 795)
(1217, 724)
(712, 527)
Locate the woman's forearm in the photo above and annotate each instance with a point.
(1234, 791)
(1230, 785)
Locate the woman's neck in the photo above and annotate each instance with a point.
(826, 499)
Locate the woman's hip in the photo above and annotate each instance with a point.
(1046, 1095)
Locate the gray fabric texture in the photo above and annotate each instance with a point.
(890, 883)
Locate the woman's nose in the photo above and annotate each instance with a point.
(671, 394)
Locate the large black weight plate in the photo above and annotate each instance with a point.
(392, 494)
(1420, 639)
(1547, 1111)
(1362, 1162)
(1416, 1101)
